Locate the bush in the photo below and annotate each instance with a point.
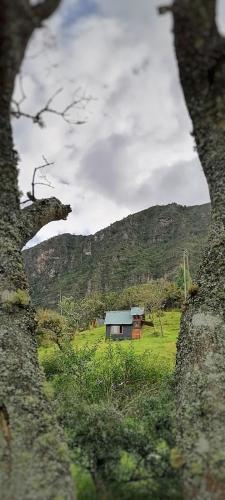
(116, 373)
(51, 327)
(116, 408)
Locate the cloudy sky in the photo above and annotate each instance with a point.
(135, 149)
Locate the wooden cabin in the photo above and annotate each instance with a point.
(124, 324)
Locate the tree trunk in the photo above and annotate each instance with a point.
(200, 363)
(33, 458)
(99, 483)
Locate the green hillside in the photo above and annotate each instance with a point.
(147, 245)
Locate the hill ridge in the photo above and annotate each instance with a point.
(139, 247)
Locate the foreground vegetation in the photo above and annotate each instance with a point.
(115, 402)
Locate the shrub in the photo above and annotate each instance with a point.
(51, 327)
(116, 407)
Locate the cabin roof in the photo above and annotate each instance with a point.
(123, 317)
(118, 318)
(137, 311)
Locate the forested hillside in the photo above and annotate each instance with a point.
(146, 245)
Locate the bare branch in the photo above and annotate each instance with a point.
(31, 194)
(34, 183)
(25, 201)
(40, 213)
(45, 9)
(79, 102)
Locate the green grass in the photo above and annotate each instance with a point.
(164, 347)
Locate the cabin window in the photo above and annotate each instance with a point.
(115, 329)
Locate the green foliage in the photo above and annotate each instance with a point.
(112, 301)
(79, 314)
(179, 279)
(71, 312)
(50, 327)
(99, 375)
(162, 347)
(115, 405)
(154, 296)
(176, 458)
(143, 246)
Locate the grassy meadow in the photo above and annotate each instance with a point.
(151, 340)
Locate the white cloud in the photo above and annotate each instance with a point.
(136, 142)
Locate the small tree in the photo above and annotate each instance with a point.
(81, 313)
(92, 308)
(71, 311)
(154, 296)
(51, 326)
(111, 301)
(129, 297)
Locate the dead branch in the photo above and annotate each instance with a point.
(35, 183)
(37, 118)
(31, 194)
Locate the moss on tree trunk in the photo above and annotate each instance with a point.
(34, 460)
(200, 364)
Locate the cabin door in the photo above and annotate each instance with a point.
(136, 331)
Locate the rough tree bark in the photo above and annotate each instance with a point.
(33, 459)
(200, 363)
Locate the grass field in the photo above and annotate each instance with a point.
(164, 346)
(161, 346)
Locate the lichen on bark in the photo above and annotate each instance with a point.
(32, 465)
(200, 362)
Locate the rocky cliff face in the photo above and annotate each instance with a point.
(140, 247)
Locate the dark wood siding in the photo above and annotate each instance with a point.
(127, 333)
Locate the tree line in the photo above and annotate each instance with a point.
(75, 315)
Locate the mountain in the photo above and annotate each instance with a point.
(148, 244)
